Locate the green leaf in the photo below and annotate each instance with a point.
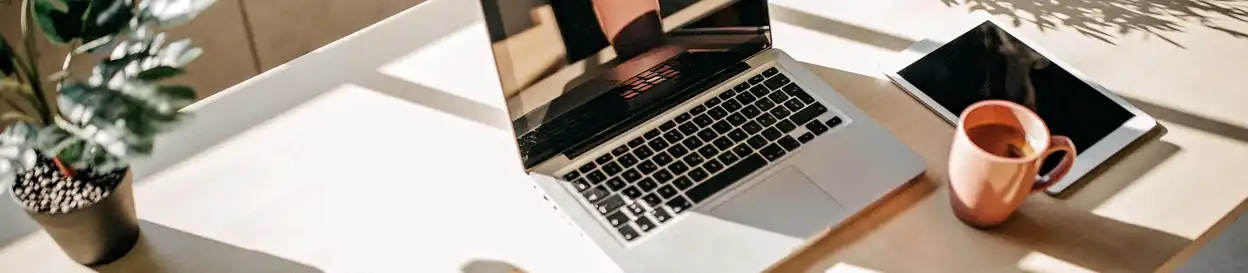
(7, 63)
(117, 126)
(171, 13)
(85, 19)
(17, 151)
(159, 73)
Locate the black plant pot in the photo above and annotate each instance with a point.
(99, 233)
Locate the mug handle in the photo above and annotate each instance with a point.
(1056, 143)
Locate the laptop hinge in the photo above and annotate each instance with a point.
(552, 165)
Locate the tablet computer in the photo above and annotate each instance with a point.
(985, 60)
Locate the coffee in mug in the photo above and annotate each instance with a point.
(995, 160)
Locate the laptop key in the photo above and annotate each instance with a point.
(653, 200)
(697, 110)
(732, 106)
(807, 137)
(722, 143)
(683, 117)
(631, 175)
(627, 160)
(652, 134)
(785, 126)
(628, 233)
(712, 102)
(618, 219)
(832, 123)
(736, 119)
(789, 143)
(596, 177)
(667, 191)
(708, 151)
(778, 97)
(806, 98)
(610, 204)
(687, 129)
(770, 71)
(765, 104)
(589, 166)
(662, 159)
(751, 127)
(618, 151)
(722, 127)
(595, 194)
(663, 176)
(632, 192)
(743, 150)
(643, 152)
(759, 91)
(647, 185)
(658, 144)
(771, 134)
(724, 179)
(571, 175)
(728, 158)
(611, 168)
(717, 112)
(677, 168)
(777, 82)
(660, 214)
(757, 142)
(698, 174)
(707, 134)
(677, 151)
(636, 142)
(738, 135)
(694, 159)
(672, 136)
(644, 223)
(678, 205)
(703, 120)
(780, 112)
(691, 142)
(682, 183)
(581, 184)
(635, 208)
(794, 105)
(792, 88)
(712, 166)
(616, 184)
(667, 125)
(746, 98)
(750, 111)
(766, 120)
(647, 167)
(817, 127)
(808, 114)
(756, 79)
(741, 86)
(772, 152)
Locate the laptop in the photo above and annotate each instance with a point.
(677, 138)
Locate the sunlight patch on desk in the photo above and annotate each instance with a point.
(830, 51)
(843, 267)
(1039, 262)
(459, 64)
(1189, 192)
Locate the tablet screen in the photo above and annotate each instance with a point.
(988, 63)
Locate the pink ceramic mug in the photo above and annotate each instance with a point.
(997, 152)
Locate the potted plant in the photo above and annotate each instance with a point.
(66, 151)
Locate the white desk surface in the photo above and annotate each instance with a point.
(389, 151)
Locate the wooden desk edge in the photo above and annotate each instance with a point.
(819, 247)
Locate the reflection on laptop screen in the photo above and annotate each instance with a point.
(570, 68)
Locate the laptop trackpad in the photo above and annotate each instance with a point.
(787, 203)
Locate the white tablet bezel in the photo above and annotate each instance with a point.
(1087, 159)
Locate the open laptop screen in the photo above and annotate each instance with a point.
(566, 59)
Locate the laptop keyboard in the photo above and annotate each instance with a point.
(644, 183)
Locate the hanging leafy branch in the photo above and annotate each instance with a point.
(111, 117)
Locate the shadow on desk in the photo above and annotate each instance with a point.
(162, 249)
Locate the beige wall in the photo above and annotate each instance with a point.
(242, 38)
